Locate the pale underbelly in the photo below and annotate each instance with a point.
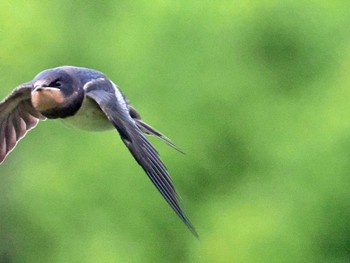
(89, 117)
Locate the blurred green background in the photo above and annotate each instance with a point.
(256, 93)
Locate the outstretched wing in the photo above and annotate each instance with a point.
(113, 104)
(17, 117)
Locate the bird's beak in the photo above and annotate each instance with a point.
(38, 88)
(46, 98)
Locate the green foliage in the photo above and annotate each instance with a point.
(255, 92)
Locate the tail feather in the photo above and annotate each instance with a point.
(147, 129)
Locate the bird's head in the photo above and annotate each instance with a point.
(56, 93)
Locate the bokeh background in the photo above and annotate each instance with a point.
(256, 93)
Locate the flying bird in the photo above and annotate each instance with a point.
(86, 99)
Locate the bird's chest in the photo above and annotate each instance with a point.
(89, 117)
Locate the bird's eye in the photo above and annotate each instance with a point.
(56, 83)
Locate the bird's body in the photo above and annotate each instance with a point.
(85, 99)
(89, 117)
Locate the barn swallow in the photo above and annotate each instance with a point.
(86, 99)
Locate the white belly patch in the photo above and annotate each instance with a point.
(89, 117)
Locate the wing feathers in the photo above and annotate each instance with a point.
(17, 117)
(131, 131)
